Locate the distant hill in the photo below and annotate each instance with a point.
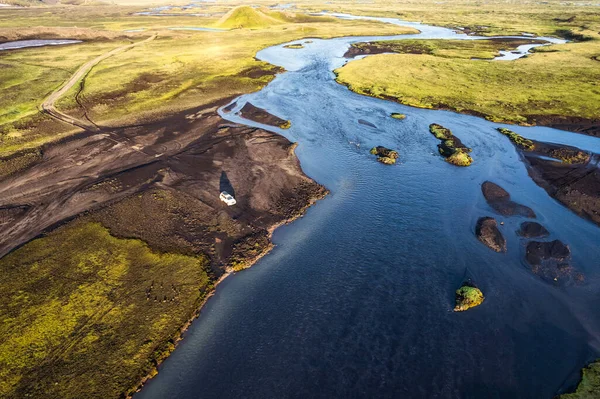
(247, 17)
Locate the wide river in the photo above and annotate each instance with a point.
(356, 299)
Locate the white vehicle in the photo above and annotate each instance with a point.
(227, 198)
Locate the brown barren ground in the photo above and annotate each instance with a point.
(161, 182)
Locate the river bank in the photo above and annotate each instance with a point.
(454, 75)
(110, 212)
(372, 270)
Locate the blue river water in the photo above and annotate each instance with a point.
(356, 299)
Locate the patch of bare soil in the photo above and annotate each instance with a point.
(577, 186)
(382, 48)
(161, 182)
(590, 127)
(259, 115)
(571, 176)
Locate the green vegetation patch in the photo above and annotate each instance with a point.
(385, 155)
(570, 156)
(294, 46)
(85, 314)
(517, 139)
(398, 116)
(247, 17)
(451, 148)
(589, 386)
(543, 88)
(468, 296)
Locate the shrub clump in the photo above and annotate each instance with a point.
(468, 296)
(285, 125)
(517, 139)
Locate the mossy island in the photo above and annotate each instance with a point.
(286, 125)
(294, 46)
(468, 296)
(451, 148)
(385, 155)
(517, 139)
(397, 115)
(589, 384)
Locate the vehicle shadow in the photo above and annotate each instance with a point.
(225, 184)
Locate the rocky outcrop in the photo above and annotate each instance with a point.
(532, 230)
(487, 232)
(517, 139)
(451, 148)
(499, 199)
(550, 260)
(468, 296)
(385, 155)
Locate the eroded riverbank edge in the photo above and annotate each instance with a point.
(159, 183)
(573, 124)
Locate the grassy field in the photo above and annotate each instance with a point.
(560, 80)
(79, 304)
(179, 70)
(494, 17)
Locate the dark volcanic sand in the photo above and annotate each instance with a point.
(161, 183)
(259, 115)
(576, 185)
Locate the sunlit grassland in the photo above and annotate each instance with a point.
(85, 314)
(561, 80)
(195, 68)
(179, 70)
(494, 17)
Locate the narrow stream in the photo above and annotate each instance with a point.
(356, 299)
(18, 44)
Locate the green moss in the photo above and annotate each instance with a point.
(399, 116)
(569, 156)
(440, 132)
(589, 386)
(387, 160)
(450, 147)
(460, 158)
(468, 296)
(545, 86)
(247, 17)
(516, 138)
(80, 300)
(381, 151)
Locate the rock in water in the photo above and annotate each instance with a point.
(450, 147)
(385, 155)
(551, 260)
(398, 116)
(499, 199)
(487, 232)
(532, 230)
(468, 296)
(493, 192)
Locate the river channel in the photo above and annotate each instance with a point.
(356, 299)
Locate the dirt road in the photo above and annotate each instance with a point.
(49, 103)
